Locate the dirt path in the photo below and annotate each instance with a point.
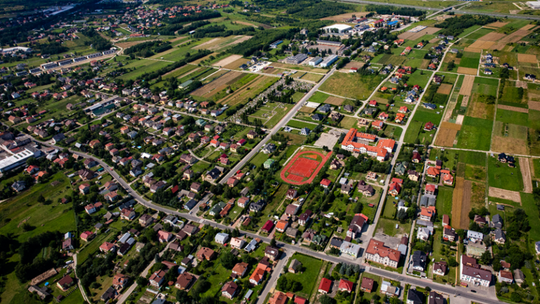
(515, 109)
(524, 165)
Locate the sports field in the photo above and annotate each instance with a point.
(304, 167)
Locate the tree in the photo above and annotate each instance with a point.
(325, 299)
(228, 260)
(485, 259)
(273, 242)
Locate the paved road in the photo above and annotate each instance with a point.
(276, 128)
(288, 247)
(529, 17)
(270, 285)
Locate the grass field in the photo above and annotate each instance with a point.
(502, 176)
(416, 127)
(512, 117)
(143, 66)
(319, 97)
(420, 78)
(53, 217)
(312, 268)
(444, 200)
(470, 60)
(351, 85)
(475, 134)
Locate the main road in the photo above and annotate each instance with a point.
(276, 128)
(438, 9)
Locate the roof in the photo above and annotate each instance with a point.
(325, 285)
(346, 284)
(377, 248)
(367, 283)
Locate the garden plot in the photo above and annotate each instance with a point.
(528, 58)
(505, 194)
(217, 85)
(511, 108)
(496, 25)
(336, 101)
(444, 88)
(467, 86)
(509, 138)
(467, 71)
(447, 134)
(413, 36)
(226, 61)
(525, 165)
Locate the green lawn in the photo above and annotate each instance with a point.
(472, 158)
(319, 97)
(53, 217)
(512, 117)
(444, 201)
(351, 85)
(470, 60)
(300, 124)
(475, 134)
(502, 176)
(308, 278)
(529, 205)
(419, 78)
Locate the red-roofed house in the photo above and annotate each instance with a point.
(345, 285)
(325, 285)
(87, 236)
(427, 213)
(325, 183)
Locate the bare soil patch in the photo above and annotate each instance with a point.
(414, 36)
(237, 41)
(353, 64)
(478, 109)
(493, 36)
(466, 87)
(343, 17)
(469, 71)
(459, 119)
(333, 100)
(203, 58)
(534, 105)
(307, 110)
(527, 58)
(445, 88)
(208, 43)
(496, 25)
(459, 217)
(525, 166)
(225, 61)
(126, 45)
(481, 44)
(177, 38)
(447, 134)
(473, 50)
(434, 40)
(521, 84)
(508, 144)
(515, 109)
(504, 194)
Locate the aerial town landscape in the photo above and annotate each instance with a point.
(308, 151)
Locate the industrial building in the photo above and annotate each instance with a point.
(296, 59)
(18, 159)
(328, 61)
(337, 29)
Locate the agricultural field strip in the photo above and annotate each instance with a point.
(494, 115)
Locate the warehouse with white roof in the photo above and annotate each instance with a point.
(337, 29)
